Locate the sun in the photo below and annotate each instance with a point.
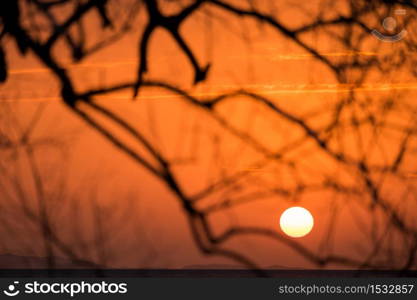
(296, 221)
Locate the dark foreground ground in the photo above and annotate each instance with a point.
(23, 266)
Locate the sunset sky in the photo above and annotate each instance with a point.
(257, 162)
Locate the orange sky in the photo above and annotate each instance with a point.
(271, 65)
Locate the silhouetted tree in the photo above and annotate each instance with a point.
(364, 120)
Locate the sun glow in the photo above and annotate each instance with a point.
(296, 221)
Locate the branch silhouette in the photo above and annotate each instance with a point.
(350, 114)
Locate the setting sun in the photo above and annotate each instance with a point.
(296, 221)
